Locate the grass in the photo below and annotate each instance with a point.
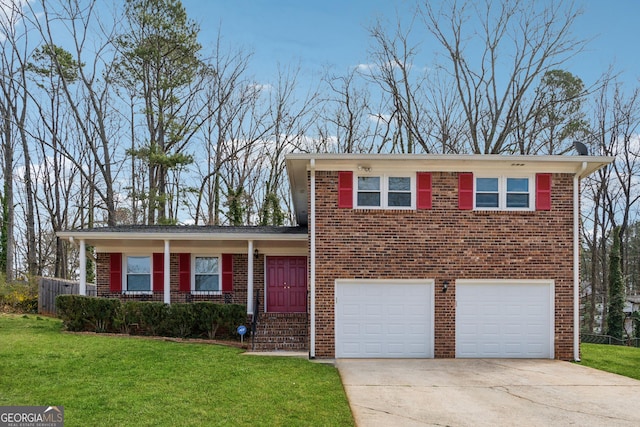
(612, 358)
(122, 381)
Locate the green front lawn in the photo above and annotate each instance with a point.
(612, 358)
(122, 381)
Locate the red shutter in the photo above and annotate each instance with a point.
(184, 269)
(158, 272)
(227, 272)
(115, 271)
(543, 192)
(345, 189)
(424, 190)
(465, 191)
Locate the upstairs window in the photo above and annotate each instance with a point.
(487, 193)
(385, 191)
(518, 193)
(399, 192)
(508, 193)
(369, 191)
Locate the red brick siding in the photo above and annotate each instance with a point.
(238, 296)
(443, 243)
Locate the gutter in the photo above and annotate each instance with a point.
(312, 250)
(576, 262)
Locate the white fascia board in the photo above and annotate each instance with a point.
(448, 162)
(134, 235)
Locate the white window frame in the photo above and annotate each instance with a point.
(125, 274)
(384, 189)
(502, 192)
(193, 274)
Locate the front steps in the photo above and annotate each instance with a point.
(281, 332)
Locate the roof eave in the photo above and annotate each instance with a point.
(141, 235)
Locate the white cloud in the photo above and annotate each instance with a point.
(384, 118)
(10, 16)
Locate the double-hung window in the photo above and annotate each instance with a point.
(206, 274)
(393, 191)
(138, 273)
(518, 193)
(503, 192)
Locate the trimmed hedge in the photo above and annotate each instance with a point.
(200, 319)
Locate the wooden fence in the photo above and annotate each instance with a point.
(49, 289)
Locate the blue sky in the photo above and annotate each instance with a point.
(333, 33)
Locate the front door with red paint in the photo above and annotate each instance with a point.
(286, 284)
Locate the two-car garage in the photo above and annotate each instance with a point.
(493, 318)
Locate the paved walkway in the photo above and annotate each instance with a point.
(487, 392)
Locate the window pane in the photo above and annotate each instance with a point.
(517, 185)
(138, 282)
(368, 199)
(206, 265)
(207, 282)
(517, 200)
(399, 184)
(400, 199)
(369, 183)
(486, 200)
(487, 184)
(139, 264)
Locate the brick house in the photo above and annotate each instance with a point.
(393, 256)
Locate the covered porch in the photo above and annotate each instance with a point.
(269, 262)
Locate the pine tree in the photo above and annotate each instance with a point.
(615, 313)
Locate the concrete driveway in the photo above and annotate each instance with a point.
(487, 392)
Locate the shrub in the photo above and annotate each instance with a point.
(127, 317)
(153, 317)
(101, 313)
(72, 309)
(180, 320)
(234, 315)
(19, 297)
(208, 317)
(81, 313)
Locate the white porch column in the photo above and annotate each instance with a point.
(167, 273)
(250, 277)
(83, 268)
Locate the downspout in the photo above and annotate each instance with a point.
(312, 250)
(576, 262)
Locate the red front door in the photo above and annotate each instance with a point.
(287, 284)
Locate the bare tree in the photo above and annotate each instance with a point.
(14, 107)
(495, 54)
(403, 87)
(290, 119)
(50, 65)
(346, 118)
(611, 194)
(95, 114)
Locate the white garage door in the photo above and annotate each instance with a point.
(387, 319)
(508, 319)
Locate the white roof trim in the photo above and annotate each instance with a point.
(141, 235)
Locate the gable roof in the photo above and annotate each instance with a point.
(299, 164)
